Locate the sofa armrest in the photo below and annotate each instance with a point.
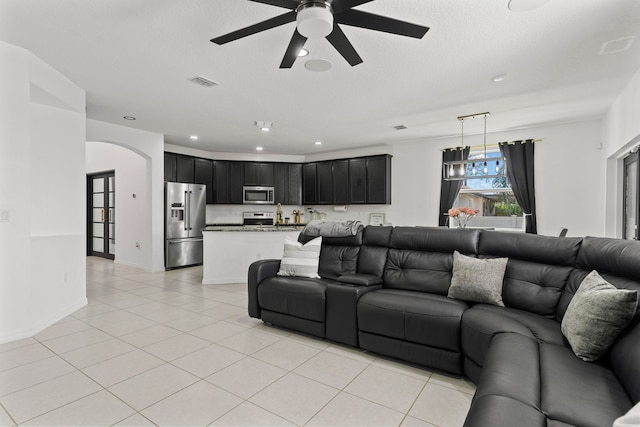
(258, 271)
(360, 279)
(341, 323)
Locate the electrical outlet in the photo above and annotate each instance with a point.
(4, 215)
(137, 245)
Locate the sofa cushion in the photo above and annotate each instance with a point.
(550, 379)
(596, 315)
(477, 280)
(336, 261)
(294, 296)
(577, 392)
(300, 260)
(482, 322)
(418, 271)
(531, 247)
(417, 317)
(534, 287)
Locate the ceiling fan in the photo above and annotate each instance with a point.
(320, 18)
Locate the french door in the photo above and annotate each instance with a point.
(631, 200)
(101, 225)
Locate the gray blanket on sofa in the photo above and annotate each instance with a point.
(332, 228)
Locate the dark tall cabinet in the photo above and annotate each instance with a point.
(288, 183)
(340, 177)
(203, 174)
(309, 184)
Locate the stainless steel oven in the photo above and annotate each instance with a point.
(257, 195)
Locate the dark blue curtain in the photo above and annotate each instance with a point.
(520, 165)
(449, 189)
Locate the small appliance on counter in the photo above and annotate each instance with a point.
(184, 221)
(257, 219)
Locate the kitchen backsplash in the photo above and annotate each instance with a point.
(233, 213)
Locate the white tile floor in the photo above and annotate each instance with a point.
(161, 349)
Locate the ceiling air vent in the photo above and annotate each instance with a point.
(203, 81)
(617, 45)
(400, 127)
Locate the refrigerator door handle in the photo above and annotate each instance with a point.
(186, 210)
(190, 227)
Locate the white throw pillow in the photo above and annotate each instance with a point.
(301, 260)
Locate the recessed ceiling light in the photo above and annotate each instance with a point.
(128, 117)
(303, 52)
(259, 148)
(498, 78)
(318, 142)
(194, 137)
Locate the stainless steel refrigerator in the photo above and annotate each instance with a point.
(184, 221)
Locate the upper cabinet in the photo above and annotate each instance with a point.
(260, 174)
(227, 182)
(203, 174)
(360, 180)
(379, 180)
(288, 183)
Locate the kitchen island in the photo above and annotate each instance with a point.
(228, 251)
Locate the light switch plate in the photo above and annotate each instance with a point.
(4, 215)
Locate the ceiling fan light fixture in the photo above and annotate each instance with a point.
(314, 19)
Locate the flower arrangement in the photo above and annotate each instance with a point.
(462, 215)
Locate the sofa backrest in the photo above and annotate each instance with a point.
(373, 253)
(537, 271)
(421, 258)
(618, 262)
(338, 255)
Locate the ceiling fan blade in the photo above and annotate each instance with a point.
(296, 43)
(256, 28)
(287, 4)
(358, 18)
(343, 46)
(341, 5)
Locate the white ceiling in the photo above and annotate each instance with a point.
(134, 57)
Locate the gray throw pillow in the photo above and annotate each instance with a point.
(477, 279)
(596, 315)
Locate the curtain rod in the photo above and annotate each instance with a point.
(477, 147)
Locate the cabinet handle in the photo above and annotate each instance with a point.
(102, 211)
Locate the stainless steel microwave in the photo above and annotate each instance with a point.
(257, 195)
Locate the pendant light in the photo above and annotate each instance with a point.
(450, 169)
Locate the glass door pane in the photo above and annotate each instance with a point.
(101, 209)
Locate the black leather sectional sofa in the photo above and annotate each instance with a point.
(385, 290)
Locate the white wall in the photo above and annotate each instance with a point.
(621, 133)
(131, 213)
(569, 177)
(150, 146)
(42, 188)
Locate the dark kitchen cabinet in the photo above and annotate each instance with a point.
(170, 167)
(220, 182)
(203, 174)
(358, 180)
(185, 167)
(379, 179)
(324, 175)
(288, 183)
(235, 183)
(227, 180)
(309, 184)
(340, 177)
(260, 174)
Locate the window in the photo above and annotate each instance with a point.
(492, 196)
